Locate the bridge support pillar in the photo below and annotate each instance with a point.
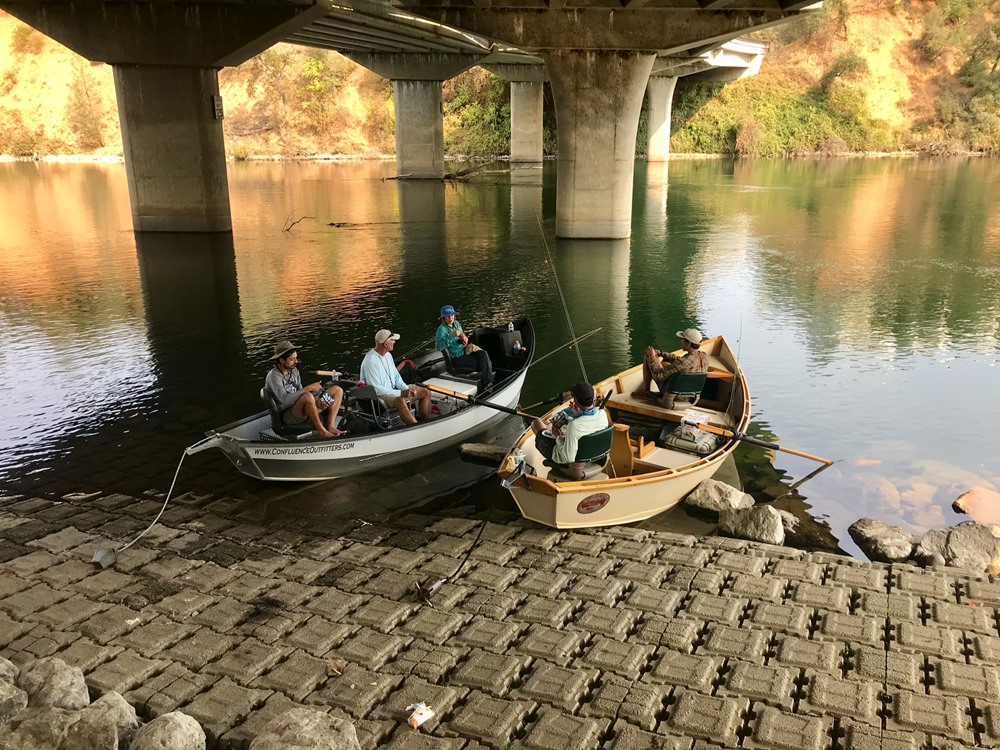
(660, 94)
(598, 98)
(526, 109)
(416, 95)
(174, 148)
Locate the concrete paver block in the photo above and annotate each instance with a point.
(490, 719)
(858, 577)
(556, 686)
(559, 646)
(893, 667)
(798, 570)
(629, 737)
(543, 539)
(832, 695)
(781, 618)
(169, 690)
(66, 614)
(985, 649)
(714, 608)
(990, 736)
(87, 655)
(105, 626)
(937, 714)
(223, 706)
(860, 736)
(454, 526)
(491, 576)
(585, 565)
(406, 739)
(740, 563)
(433, 625)
(335, 605)
(624, 659)
(369, 648)
(551, 612)
(555, 730)
(780, 730)
(799, 652)
(492, 552)
(969, 680)
(184, 603)
(982, 592)
(541, 583)
(426, 660)
(650, 574)
(494, 605)
(155, 636)
(922, 639)
(296, 676)
(585, 544)
(896, 606)
(677, 634)
(316, 635)
(377, 613)
(827, 597)
(693, 671)
(400, 560)
(248, 660)
(925, 584)
(65, 573)
(610, 621)
(845, 628)
(707, 717)
(604, 591)
(356, 690)
(126, 671)
(37, 598)
(441, 699)
(637, 550)
(754, 587)
(956, 617)
(662, 602)
(492, 673)
(200, 648)
(748, 645)
(694, 556)
(390, 584)
(27, 565)
(451, 546)
(767, 684)
(486, 634)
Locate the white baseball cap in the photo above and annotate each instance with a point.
(384, 335)
(691, 334)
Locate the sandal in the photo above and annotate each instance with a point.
(640, 393)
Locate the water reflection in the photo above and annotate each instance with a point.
(861, 296)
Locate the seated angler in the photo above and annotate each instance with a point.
(568, 426)
(452, 338)
(379, 371)
(299, 404)
(657, 366)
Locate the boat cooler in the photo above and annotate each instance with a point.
(442, 404)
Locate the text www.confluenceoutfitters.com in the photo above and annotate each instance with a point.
(302, 449)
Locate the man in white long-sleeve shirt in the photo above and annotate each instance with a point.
(379, 370)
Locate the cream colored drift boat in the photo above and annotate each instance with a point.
(647, 472)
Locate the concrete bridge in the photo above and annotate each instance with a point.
(597, 55)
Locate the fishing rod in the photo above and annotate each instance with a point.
(562, 298)
(576, 340)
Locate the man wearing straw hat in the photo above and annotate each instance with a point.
(298, 404)
(658, 366)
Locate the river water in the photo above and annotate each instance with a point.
(863, 296)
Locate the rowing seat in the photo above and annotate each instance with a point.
(682, 390)
(277, 423)
(591, 458)
(464, 374)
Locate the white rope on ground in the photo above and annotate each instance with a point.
(562, 299)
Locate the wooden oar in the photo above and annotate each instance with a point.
(474, 401)
(755, 441)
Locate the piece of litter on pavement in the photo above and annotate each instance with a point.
(421, 713)
(335, 667)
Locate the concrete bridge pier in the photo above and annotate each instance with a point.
(526, 108)
(660, 94)
(416, 95)
(174, 148)
(598, 98)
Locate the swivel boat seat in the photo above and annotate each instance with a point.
(682, 390)
(592, 454)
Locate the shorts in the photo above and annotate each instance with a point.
(389, 401)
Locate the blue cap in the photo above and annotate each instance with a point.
(447, 310)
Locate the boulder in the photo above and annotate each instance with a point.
(53, 682)
(91, 731)
(981, 504)
(877, 490)
(114, 711)
(12, 701)
(969, 545)
(789, 521)
(39, 729)
(761, 523)
(173, 731)
(713, 496)
(882, 542)
(306, 729)
(8, 671)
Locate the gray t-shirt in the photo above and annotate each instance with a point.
(287, 387)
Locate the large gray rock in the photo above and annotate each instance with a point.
(758, 524)
(713, 496)
(39, 729)
(12, 701)
(969, 545)
(306, 729)
(111, 710)
(173, 731)
(882, 542)
(8, 671)
(91, 731)
(53, 682)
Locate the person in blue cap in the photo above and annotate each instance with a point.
(451, 338)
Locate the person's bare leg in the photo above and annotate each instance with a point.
(337, 393)
(305, 408)
(424, 405)
(647, 378)
(404, 411)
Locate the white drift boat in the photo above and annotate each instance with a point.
(652, 463)
(256, 448)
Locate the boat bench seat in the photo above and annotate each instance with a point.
(647, 408)
(659, 459)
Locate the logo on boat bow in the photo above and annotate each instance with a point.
(593, 503)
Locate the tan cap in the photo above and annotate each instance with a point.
(691, 334)
(384, 335)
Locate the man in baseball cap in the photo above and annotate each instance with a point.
(658, 365)
(559, 439)
(379, 370)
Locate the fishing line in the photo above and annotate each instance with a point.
(562, 299)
